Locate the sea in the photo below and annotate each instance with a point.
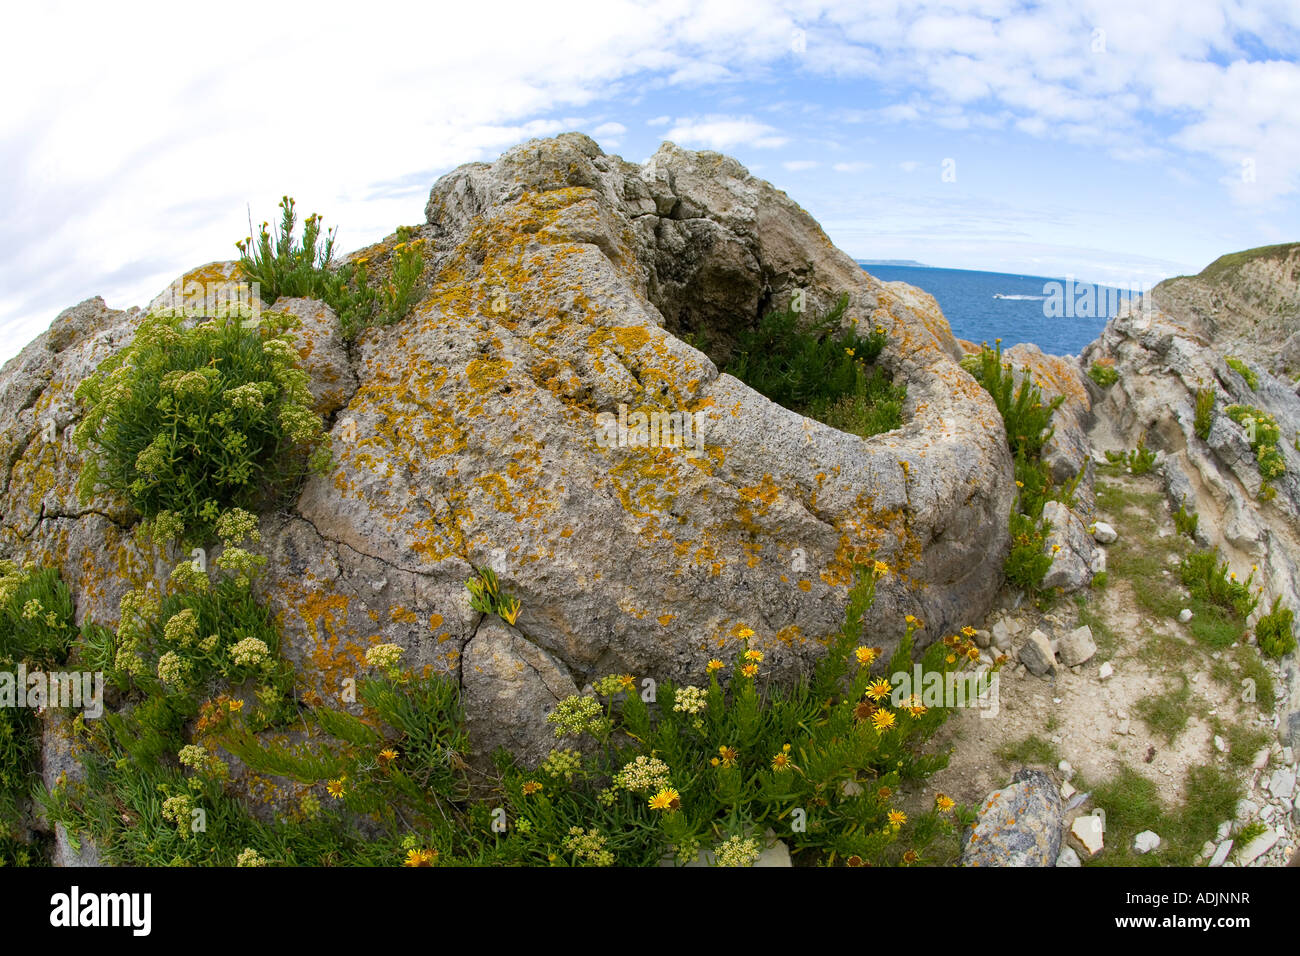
(1060, 315)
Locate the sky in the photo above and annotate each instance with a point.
(1109, 140)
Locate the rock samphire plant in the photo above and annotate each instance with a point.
(190, 420)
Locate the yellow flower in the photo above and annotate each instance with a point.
(865, 655)
(910, 857)
(880, 567)
(387, 756)
(728, 755)
(1056, 549)
(878, 689)
(420, 857)
(897, 818)
(745, 633)
(627, 682)
(1020, 484)
(666, 799)
(335, 787)
(754, 656)
(235, 705)
(882, 719)
(973, 653)
(750, 670)
(531, 787)
(713, 761)
(951, 658)
(713, 665)
(880, 330)
(943, 803)
(849, 352)
(914, 707)
(782, 760)
(968, 631)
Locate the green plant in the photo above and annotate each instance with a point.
(1139, 461)
(1210, 580)
(186, 422)
(360, 304)
(1028, 563)
(1247, 835)
(1275, 631)
(1185, 521)
(820, 370)
(1204, 412)
(486, 596)
(1103, 373)
(1245, 371)
(1263, 433)
(283, 265)
(1026, 416)
(36, 631)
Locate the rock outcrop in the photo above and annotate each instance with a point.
(562, 283)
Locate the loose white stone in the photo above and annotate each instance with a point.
(1221, 854)
(1088, 834)
(1219, 745)
(1105, 671)
(1257, 847)
(1185, 615)
(1104, 533)
(1068, 857)
(1146, 841)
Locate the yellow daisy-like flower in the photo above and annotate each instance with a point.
(728, 755)
(1056, 549)
(968, 631)
(750, 670)
(882, 720)
(745, 633)
(879, 689)
(910, 619)
(420, 857)
(910, 857)
(880, 567)
(386, 756)
(666, 799)
(951, 658)
(897, 818)
(943, 803)
(531, 787)
(335, 787)
(880, 330)
(235, 705)
(782, 761)
(713, 761)
(973, 653)
(914, 707)
(754, 656)
(627, 682)
(1020, 484)
(865, 655)
(849, 352)
(714, 665)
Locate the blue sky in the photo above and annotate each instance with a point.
(1110, 140)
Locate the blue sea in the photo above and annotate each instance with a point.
(983, 306)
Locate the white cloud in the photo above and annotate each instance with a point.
(659, 121)
(723, 133)
(857, 166)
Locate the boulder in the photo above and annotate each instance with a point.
(1018, 825)
(563, 284)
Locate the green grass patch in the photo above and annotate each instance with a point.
(1167, 714)
(1032, 750)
